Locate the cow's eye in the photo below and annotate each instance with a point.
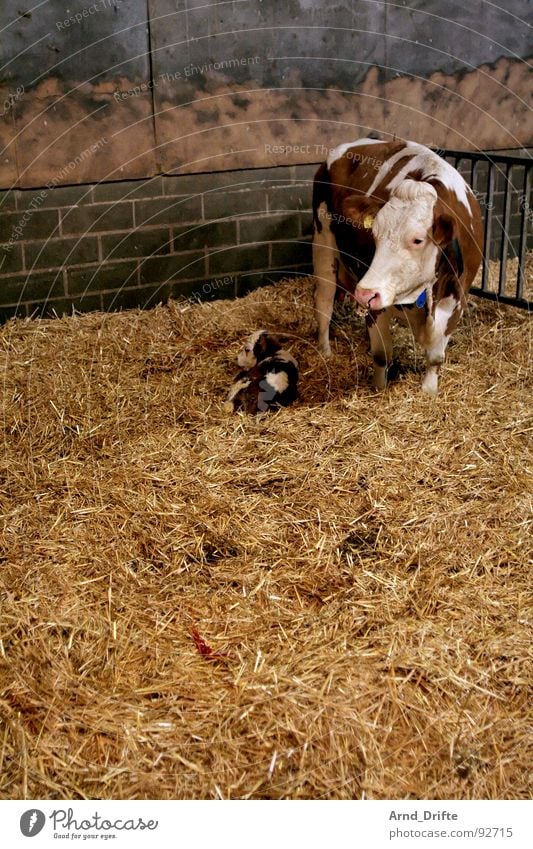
(417, 241)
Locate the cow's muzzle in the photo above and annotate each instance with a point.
(368, 298)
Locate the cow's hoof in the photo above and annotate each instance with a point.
(379, 378)
(325, 351)
(229, 407)
(430, 385)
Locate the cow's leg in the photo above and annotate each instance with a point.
(447, 314)
(380, 345)
(241, 383)
(435, 358)
(325, 259)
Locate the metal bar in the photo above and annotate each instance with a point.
(506, 218)
(521, 303)
(490, 157)
(488, 226)
(526, 213)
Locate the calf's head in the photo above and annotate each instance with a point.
(257, 347)
(409, 235)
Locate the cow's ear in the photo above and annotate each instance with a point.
(443, 230)
(360, 211)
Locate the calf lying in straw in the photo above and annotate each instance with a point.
(269, 379)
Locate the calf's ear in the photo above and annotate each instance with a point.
(443, 230)
(268, 345)
(360, 211)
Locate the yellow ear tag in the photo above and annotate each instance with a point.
(368, 220)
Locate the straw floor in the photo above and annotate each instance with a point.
(333, 602)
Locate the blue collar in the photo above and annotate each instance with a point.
(421, 300)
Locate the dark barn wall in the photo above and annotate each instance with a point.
(67, 71)
(448, 74)
(207, 87)
(101, 101)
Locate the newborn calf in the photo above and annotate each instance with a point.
(269, 378)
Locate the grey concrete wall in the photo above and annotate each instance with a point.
(118, 89)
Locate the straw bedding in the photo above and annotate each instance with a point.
(333, 602)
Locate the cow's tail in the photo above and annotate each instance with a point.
(321, 193)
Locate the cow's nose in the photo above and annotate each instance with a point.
(368, 298)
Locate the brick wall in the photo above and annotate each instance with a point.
(135, 243)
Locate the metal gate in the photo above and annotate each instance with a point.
(502, 185)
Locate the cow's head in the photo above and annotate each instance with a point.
(409, 232)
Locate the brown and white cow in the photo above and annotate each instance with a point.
(397, 228)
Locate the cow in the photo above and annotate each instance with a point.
(397, 228)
